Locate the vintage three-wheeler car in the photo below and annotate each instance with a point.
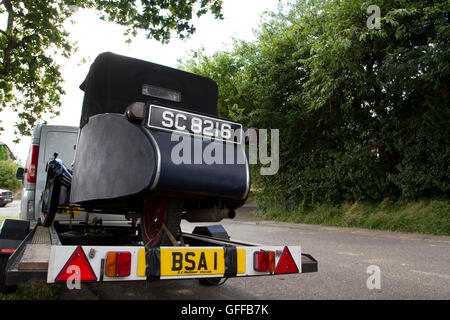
(144, 133)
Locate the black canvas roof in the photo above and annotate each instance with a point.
(116, 81)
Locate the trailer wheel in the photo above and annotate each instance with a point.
(4, 288)
(212, 281)
(155, 212)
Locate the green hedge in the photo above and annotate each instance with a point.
(8, 175)
(363, 113)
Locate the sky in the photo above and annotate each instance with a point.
(94, 36)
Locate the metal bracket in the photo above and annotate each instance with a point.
(181, 236)
(170, 235)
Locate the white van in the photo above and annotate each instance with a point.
(46, 140)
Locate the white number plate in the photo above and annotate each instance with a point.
(168, 119)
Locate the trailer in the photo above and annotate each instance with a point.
(207, 254)
(137, 119)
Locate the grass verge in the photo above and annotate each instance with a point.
(424, 216)
(34, 291)
(2, 218)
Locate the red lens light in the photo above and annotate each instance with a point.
(286, 264)
(123, 267)
(77, 267)
(118, 264)
(261, 261)
(32, 168)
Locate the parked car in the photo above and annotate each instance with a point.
(6, 196)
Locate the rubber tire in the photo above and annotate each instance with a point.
(3, 288)
(172, 222)
(47, 220)
(209, 282)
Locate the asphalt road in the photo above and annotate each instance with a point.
(11, 209)
(412, 266)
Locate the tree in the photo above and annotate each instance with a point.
(30, 80)
(4, 155)
(363, 113)
(8, 175)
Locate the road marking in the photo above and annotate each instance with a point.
(432, 274)
(349, 254)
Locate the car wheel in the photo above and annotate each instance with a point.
(51, 194)
(210, 281)
(155, 212)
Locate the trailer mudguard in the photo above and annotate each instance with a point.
(117, 159)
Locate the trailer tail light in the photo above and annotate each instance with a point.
(32, 168)
(260, 261)
(264, 261)
(77, 268)
(271, 261)
(118, 264)
(286, 264)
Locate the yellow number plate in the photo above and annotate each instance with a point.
(68, 210)
(189, 262)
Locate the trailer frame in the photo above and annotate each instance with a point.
(239, 258)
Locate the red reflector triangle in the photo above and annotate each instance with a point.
(286, 264)
(77, 267)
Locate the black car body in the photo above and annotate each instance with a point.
(119, 161)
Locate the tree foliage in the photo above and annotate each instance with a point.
(4, 154)
(34, 32)
(363, 113)
(8, 175)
